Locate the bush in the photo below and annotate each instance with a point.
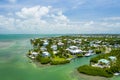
(95, 71)
(45, 60)
(98, 51)
(57, 61)
(79, 55)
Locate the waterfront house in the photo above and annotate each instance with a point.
(45, 54)
(74, 50)
(103, 63)
(33, 55)
(89, 53)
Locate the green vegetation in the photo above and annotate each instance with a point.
(105, 72)
(62, 54)
(98, 51)
(57, 60)
(105, 56)
(43, 60)
(95, 71)
(79, 55)
(102, 45)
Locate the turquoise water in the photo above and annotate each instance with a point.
(14, 65)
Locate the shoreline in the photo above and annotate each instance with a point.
(81, 76)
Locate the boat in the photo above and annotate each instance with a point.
(116, 74)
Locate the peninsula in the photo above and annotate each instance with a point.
(62, 49)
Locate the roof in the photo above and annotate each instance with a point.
(112, 58)
(45, 42)
(104, 61)
(76, 51)
(34, 53)
(43, 48)
(60, 43)
(54, 46)
(45, 53)
(73, 47)
(90, 51)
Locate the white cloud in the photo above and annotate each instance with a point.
(111, 18)
(33, 12)
(46, 19)
(35, 19)
(43, 14)
(89, 23)
(7, 23)
(60, 18)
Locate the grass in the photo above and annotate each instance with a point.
(57, 60)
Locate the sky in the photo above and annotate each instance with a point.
(59, 16)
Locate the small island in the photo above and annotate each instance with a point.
(62, 49)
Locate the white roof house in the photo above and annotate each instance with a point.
(34, 54)
(112, 58)
(104, 61)
(45, 54)
(90, 51)
(60, 43)
(77, 41)
(54, 47)
(74, 49)
(45, 43)
(43, 48)
(98, 42)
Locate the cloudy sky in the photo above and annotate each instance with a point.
(59, 16)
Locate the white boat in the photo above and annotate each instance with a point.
(87, 54)
(116, 74)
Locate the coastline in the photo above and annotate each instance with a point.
(81, 76)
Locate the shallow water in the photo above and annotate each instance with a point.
(14, 65)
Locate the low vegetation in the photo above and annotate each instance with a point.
(105, 72)
(57, 60)
(95, 71)
(59, 52)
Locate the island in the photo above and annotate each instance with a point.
(62, 49)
